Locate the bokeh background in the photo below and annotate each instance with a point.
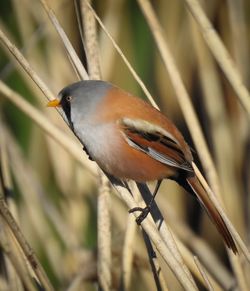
(54, 198)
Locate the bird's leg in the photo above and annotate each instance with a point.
(145, 211)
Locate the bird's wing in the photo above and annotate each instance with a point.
(154, 141)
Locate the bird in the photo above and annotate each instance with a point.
(131, 140)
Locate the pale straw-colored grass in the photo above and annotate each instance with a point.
(80, 232)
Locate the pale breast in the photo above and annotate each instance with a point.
(102, 143)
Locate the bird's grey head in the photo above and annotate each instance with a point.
(78, 100)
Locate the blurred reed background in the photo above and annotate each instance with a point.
(53, 196)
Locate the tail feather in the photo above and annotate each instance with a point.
(212, 212)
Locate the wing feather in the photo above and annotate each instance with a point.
(155, 142)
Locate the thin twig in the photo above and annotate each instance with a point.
(188, 258)
(189, 242)
(128, 253)
(133, 72)
(27, 250)
(160, 245)
(92, 51)
(77, 65)
(19, 266)
(26, 66)
(230, 226)
(164, 229)
(220, 53)
(154, 263)
(103, 217)
(7, 243)
(104, 243)
(239, 28)
(203, 273)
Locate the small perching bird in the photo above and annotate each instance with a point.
(130, 139)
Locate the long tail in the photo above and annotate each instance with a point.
(212, 212)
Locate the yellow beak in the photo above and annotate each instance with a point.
(54, 103)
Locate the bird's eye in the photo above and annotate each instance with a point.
(69, 98)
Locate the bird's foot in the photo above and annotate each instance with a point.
(144, 213)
